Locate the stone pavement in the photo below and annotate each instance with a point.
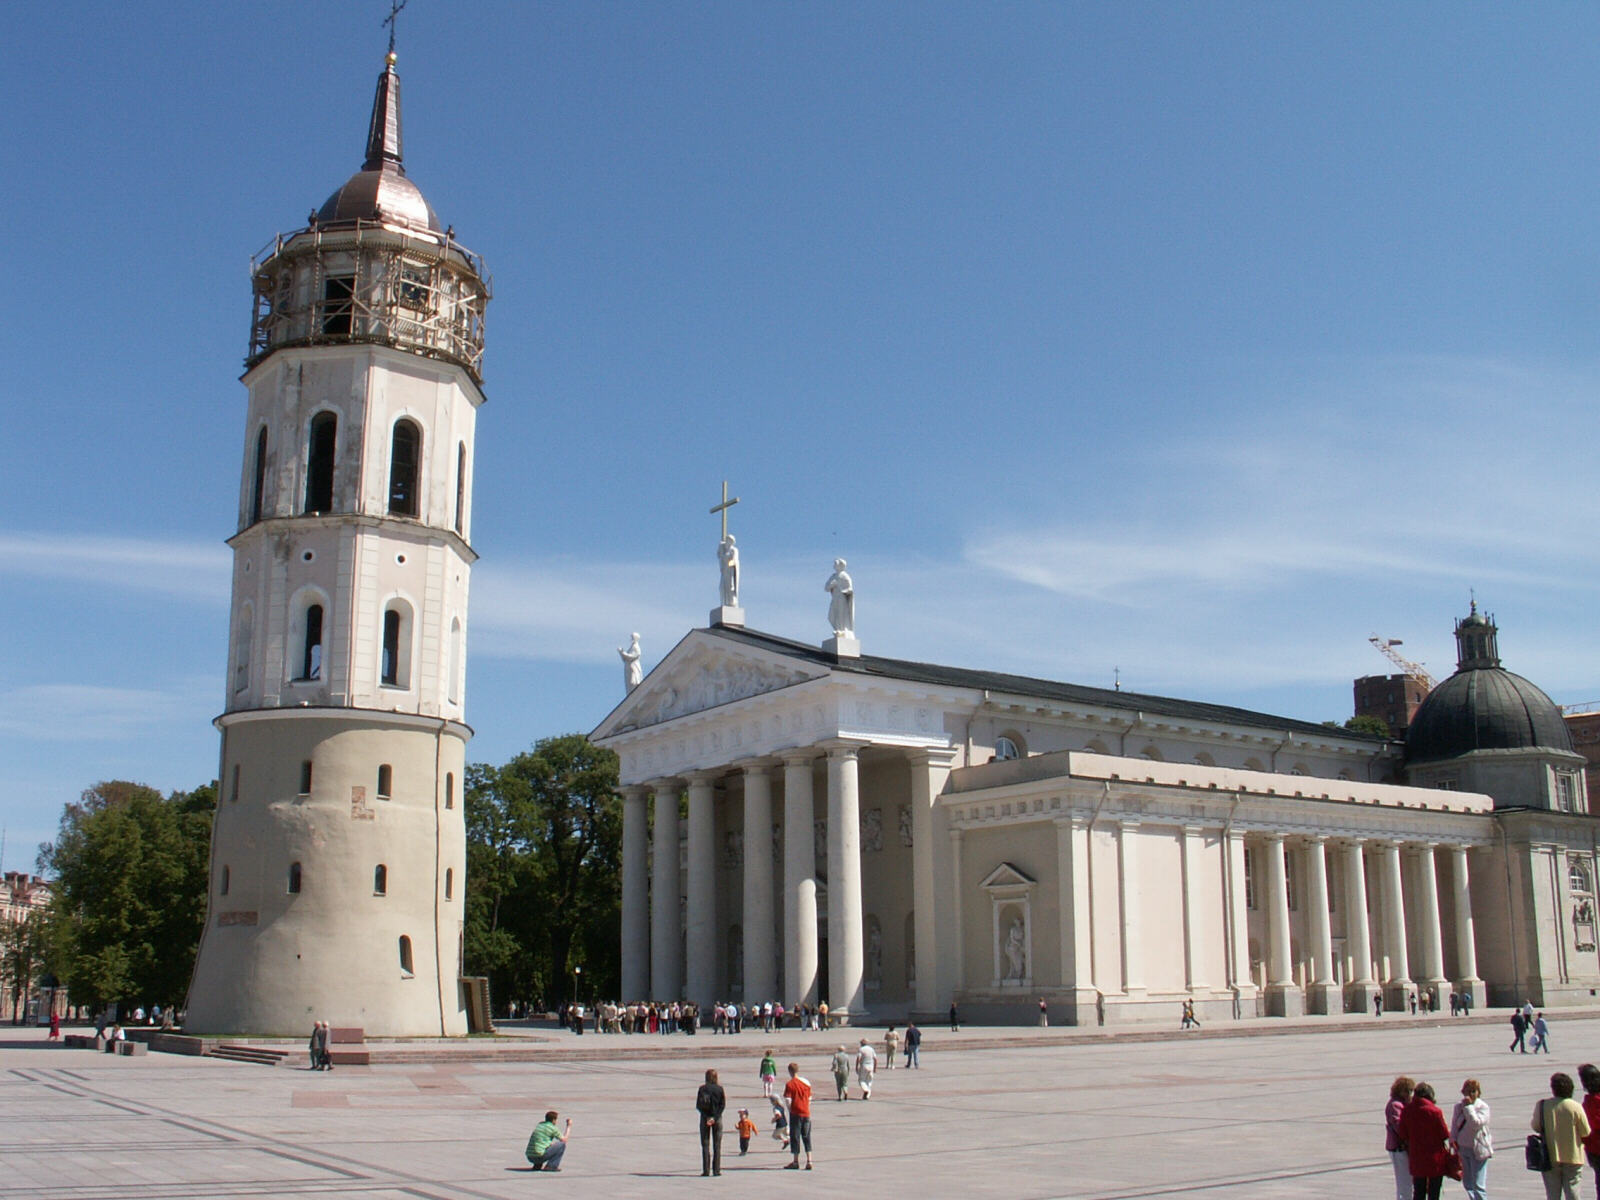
(1246, 1117)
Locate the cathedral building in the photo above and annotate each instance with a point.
(892, 837)
(338, 858)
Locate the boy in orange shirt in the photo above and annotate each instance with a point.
(747, 1130)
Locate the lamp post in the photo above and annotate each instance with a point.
(577, 1013)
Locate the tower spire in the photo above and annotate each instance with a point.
(383, 134)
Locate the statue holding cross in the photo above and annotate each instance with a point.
(727, 552)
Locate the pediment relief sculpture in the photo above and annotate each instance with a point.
(703, 685)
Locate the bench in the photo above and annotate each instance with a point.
(130, 1049)
(348, 1036)
(78, 1041)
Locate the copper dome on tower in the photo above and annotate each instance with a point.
(1483, 706)
(380, 191)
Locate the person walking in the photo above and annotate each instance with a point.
(1393, 1140)
(1469, 1131)
(1044, 1013)
(1589, 1076)
(545, 1146)
(866, 1066)
(747, 1130)
(913, 1046)
(709, 1102)
(768, 1070)
(1562, 1122)
(797, 1094)
(55, 1026)
(955, 1018)
(1425, 1134)
(1519, 1031)
(840, 1065)
(1541, 1034)
(891, 1043)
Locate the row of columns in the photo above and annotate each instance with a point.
(1283, 996)
(650, 915)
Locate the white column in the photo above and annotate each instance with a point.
(1236, 924)
(1466, 943)
(958, 951)
(1324, 993)
(1128, 898)
(1429, 936)
(1076, 907)
(928, 774)
(1357, 931)
(760, 969)
(701, 941)
(1189, 849)
(1284, 999)
(666, 921)
(846, 957)
(799, 880)
(1397, 987)
(635, 896)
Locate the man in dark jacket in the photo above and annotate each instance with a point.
(709, 1102)
(913, 1045)
(1519, 1031)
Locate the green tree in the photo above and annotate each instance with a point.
(544, 840)
(128, 898)
(1367, 723)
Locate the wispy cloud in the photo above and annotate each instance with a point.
(196, 570)
(67, 712)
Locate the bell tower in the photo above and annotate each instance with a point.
(338, 859)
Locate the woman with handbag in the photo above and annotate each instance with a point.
(1427, 1139)
(1562, 1125)
(1393, 1143)
(1469, 1130)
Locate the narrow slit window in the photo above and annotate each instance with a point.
(405, 955)
(461, 487)
(294, 879)
(450, 790)
(222, 888)
(321, 447)
(380, 880)
(405, 465)
(311, 659)
(233, 787)
(385, 781)
(449, 883)
(258, 496)
(305, 778)
(391, 647)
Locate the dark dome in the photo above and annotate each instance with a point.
(1484, 708)
(382, 195)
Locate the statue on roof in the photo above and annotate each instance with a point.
(632, 672)
(842, 608)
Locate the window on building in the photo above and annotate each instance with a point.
(311, 654)
(415, 288)
(380, 880)
(1578, 875)
(305, 778)
(1007, 746)
(449, 883)
(405, 955)
(320, 450)
(405, 464)
(395, 662)
(385, 781)
(449, 790)
(1249, 878)
(294, 879)
(233, 788)
(222, 887)
(1448, 785)
(461, 486)
(1566, 791)
(338, 305)
(259, 492)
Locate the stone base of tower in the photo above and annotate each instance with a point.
(337, 904)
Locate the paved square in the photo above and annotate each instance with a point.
(1291, 1115)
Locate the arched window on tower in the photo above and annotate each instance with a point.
(259, 493)
(294, 879)
(405, 955)
(450, 789)
(380, 880)
(385, 781)
(227, 878)
(311, 655)
(396, 660)
(405, 465)
(320, 450)
(461, 487)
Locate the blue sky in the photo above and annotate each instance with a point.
(1199, 341)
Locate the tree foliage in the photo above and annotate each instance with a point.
(544, 839)
(128, 897)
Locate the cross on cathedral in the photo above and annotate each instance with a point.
(723, 508)
(394, 11)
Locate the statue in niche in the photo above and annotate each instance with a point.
(1016, 951)
(874, 952)
(1583, 924)
(728, 556)
(842, 608)
(632, 672)
(872, 829)
(905, 825)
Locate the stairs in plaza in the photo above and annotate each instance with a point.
(258, 1055)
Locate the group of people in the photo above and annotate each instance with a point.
(1525, 1021)
(321, 1059)
(1425, 1149)
(684, 1017)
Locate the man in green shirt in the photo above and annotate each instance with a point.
(546, 1146)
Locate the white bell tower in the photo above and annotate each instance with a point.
(338, 861)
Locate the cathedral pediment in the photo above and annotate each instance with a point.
(699, 675)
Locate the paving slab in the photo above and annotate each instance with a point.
(992, 1113)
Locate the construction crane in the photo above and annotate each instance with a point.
(1386, 647)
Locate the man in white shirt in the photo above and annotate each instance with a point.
(866, 1064)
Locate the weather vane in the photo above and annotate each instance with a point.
(394, 11)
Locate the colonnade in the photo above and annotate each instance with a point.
(1322, 993)
(651, 919)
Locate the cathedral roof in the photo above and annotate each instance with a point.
(1040, 689)
(380, 191)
